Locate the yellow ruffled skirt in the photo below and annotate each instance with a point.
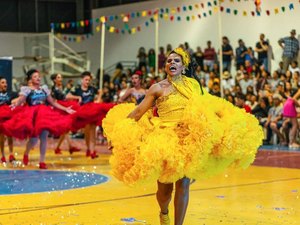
(211, 136)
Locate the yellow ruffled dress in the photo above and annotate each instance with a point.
(195, 136)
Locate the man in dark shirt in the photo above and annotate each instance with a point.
(227, 54)
(240, 53)
(261, 48)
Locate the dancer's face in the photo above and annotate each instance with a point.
(174, 65)
(3, 84)
(35, 78)
(58, 79)
(135, 79)
(85, 81)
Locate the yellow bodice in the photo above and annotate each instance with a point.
(170, 107)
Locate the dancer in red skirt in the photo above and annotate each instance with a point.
(91, 112)
(59, 93)
(5, 114)
(35, 120)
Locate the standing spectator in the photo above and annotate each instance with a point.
(290, 46)
(142, 56)
(227, 52)
(188, 48)
(151, 58)
(161, 58)
(262, 48)
(169, 49)
(240, 53)
(198, 56)
(209, 56)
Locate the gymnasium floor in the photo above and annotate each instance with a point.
(265, 194)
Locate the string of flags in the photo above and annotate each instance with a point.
(173, 14)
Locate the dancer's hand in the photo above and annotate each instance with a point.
(79, 99)
(70, 110)
(12, 106)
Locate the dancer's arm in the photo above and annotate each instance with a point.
(17, 101)
(51, 101)
(125, 96)
(70, 96)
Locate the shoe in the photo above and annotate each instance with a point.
(3, 159)
(73, 149)
(25, 160)
(57, 151)
(11, 158)
(164, 219)
(88, 153)
(43, 166)
(294, 145)
(94, 155)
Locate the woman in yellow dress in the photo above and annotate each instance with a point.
(195, 136)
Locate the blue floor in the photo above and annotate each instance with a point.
(32, 181)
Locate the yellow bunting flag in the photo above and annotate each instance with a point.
(97, 28)
(193, 17)
(216, 9)
(102, 19)
(155, 16)
(276, 11)
(62, 25)
(144, 13)
(166, 16)
(244, 13)
(82, 23)
(133, 30)
(112, 29)
(173, 10)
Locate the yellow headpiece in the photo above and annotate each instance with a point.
(185, 56)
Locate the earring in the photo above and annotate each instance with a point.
(183, 71)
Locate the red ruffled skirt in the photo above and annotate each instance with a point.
(30, 121)
(90, 113)
(6, 113)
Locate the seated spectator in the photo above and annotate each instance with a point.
(261, 110)
(294, 67)
(240, 101)
(295, 81)
(245, 82)
(215, 90)
(274, 80)
(227, 81)
(274, 121)
(280, 69)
